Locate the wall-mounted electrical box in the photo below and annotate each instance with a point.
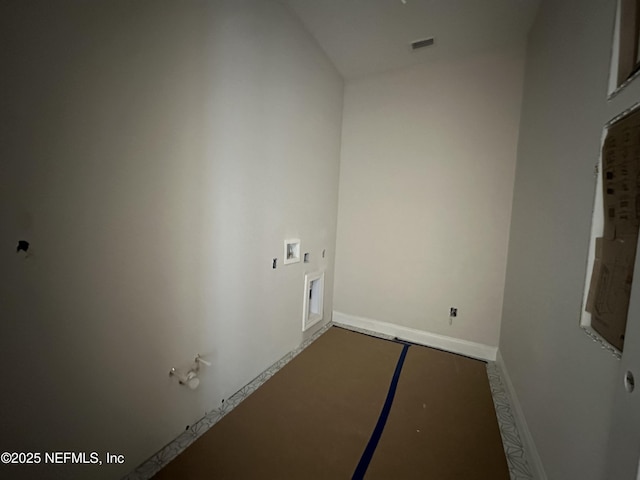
(312, 306)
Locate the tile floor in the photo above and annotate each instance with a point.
(514, 449)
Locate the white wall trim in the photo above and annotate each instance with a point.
(450, 344)
(521, 423)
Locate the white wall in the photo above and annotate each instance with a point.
(563, 379)
(156, 155)
(426, 181)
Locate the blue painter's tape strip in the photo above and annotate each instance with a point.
(367, 455)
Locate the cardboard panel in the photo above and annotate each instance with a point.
(595, 276)
(621, 178)
(610, 290)
(628, 39)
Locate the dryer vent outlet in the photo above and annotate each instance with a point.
(313, 301)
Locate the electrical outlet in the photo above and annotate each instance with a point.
(453, 312)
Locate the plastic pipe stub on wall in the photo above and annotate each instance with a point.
(192, 380)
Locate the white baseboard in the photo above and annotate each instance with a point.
(523, 427)
(450, 344)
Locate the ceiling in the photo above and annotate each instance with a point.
(363, 37)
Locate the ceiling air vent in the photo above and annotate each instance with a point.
(426, 42)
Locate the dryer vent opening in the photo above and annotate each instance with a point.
(313, 301)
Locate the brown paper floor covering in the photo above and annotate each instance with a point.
(314, 418)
